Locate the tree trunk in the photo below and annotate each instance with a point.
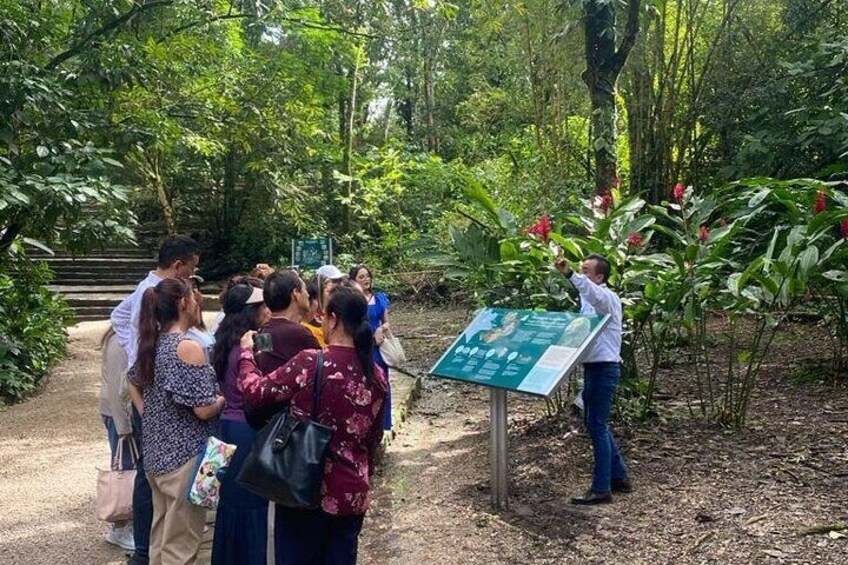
(407, 105)
(347, 160)
(154, 173)
(603, 66)
(430, 44)
(432, 140)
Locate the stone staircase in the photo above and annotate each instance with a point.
(93, 284)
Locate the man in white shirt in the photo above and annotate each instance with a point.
(602, 370)
(178, 257)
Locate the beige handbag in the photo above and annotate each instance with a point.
(392, 351)
(115, 486)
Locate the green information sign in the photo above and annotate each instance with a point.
(312, 253)
(520, 350)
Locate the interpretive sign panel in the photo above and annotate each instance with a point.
(312, 253)
(520, 350)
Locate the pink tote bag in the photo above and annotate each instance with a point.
(115, 487)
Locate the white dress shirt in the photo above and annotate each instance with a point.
(599, 299)
(125, 317)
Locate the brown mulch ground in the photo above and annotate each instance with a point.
(703, 494)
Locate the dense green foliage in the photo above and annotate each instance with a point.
(32, 328)
(250, 123)
(753, 250)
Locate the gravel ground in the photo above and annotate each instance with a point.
(50, 447)
(703, 495)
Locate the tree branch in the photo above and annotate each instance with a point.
(184, 27)
(631, 32)
(118, 21)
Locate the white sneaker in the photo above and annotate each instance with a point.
(122, 537)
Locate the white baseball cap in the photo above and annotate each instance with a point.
(330, 272)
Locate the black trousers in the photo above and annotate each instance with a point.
(313, 537)
(142, 501)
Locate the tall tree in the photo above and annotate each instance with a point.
(604, 62)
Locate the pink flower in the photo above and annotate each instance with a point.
(843, 228)
(616, 182)
(303, 377)
(542, 228)
(330, 505)
(358, 393)
(635, 239)
(358, 424)
(704, 233)
(678, 192)
(820, 205)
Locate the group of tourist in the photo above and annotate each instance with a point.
(187, 383)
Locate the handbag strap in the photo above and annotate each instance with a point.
(316, 383)
(118, 461)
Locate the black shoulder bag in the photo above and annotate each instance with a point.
(286, 464)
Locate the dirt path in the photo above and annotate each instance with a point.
(703, 494)
(49, 449)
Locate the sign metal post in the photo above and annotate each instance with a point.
(498, 453)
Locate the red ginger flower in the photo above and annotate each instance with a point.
(679, 190)
(606, 202)
(843, 228)
(542, 228)
(704, 233)
(635, 239)
(820, 204)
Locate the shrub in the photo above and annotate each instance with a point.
(32, 328)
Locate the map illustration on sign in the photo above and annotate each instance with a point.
(520, 350)
(312, 253)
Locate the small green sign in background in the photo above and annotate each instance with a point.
(312, 253)
(520, 350)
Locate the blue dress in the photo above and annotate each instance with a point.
(241, 524)
(376, 313)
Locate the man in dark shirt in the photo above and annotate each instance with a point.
(286, 296)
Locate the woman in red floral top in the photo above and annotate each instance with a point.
(352, 403)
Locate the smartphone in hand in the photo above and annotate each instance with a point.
(262, 342)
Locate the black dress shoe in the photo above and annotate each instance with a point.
(592, 497)
(621, 485)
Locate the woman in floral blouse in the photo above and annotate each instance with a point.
(352, 403)
(175, 391)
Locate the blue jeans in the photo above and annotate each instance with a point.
(600, 380)
(313, 537)
(114, 438)
(142, 501)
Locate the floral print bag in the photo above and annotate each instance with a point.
(205, 489)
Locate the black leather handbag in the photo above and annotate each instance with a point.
(286, 464)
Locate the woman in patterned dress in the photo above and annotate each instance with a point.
(353, 390)
(176, 393)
